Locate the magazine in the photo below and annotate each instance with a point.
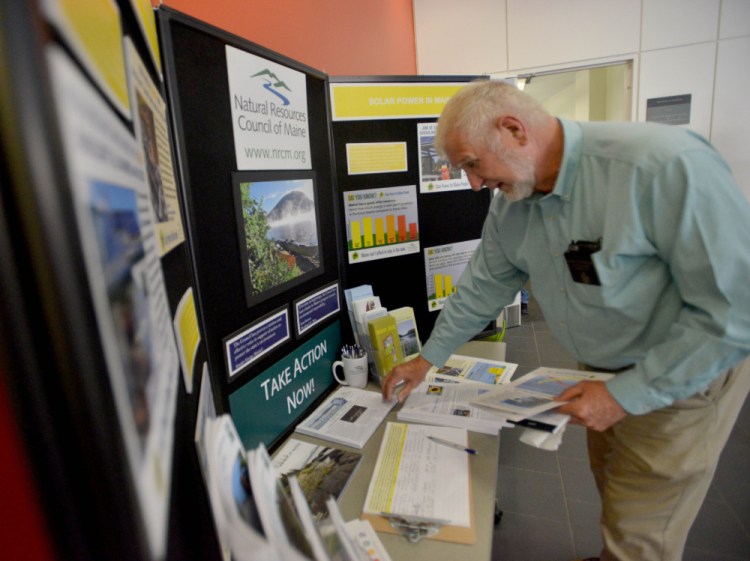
(460, 368)
(321, 471)
(281, 523)
(534, 392)
(348, 416)
(449, 405)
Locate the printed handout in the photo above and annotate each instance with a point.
(534, 392)
(449, 405)
(462, 369)
(349, 416)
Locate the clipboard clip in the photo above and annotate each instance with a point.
(414, 528)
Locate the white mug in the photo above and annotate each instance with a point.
(355, 371)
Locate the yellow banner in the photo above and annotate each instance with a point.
(376, 157)
(354, 102)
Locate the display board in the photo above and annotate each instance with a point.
(252, 135)
(409, 220)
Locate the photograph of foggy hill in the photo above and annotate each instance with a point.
(281, 231)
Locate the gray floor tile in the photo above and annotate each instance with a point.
(528, 538)
(732, 481)
(516, 454)
(526, 358)
(693, 554)
(578, 482)
(532, 493)
(584, 522)
(717, 530)
(524, 330)
(515, 344)
(574, 443)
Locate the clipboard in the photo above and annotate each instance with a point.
(415, 528)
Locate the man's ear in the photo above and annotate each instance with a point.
(514, 127)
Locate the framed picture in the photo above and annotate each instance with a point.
(278, 228)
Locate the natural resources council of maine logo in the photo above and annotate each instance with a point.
(272, 82)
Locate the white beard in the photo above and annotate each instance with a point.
(520, 190)
(523, 169)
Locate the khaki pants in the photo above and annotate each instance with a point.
(653, 470)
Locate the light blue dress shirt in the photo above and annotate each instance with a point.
(674, 263)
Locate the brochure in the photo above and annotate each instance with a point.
(237, 523)
(348, 416)
(312, 532)
(459, 368)
(534, 392)
(321, 472)
(449, 405)
(281, 523)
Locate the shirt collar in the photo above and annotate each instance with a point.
(571, 158)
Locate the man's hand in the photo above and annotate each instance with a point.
(412, 373)
(590, 404)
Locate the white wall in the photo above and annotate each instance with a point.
(697, 47)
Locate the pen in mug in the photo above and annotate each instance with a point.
(452, 445)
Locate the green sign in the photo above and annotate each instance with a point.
(274, 400)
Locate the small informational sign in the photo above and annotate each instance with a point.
(671, 110)
(436, 174)
(444, 265)
(269, 113)
(248, 345)
(381, 223)
(152, 132)
(316, 308)
(375, 157)
(269, 404)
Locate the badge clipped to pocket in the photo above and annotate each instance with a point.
(578, 257)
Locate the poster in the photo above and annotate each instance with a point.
(381, 223)
(93, 31)
(436, 174)
(152, 133)
(278, 229)
(115, 220)
(444, 265)
(269, 113)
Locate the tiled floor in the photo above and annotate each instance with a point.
(550, 505)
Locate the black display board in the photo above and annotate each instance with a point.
(198, 88)
(444, 218)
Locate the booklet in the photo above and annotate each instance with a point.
(459, 368)
(348, 416)
(534, 392)
(320, 471)
(281, 523)
(237, 522)
(449, 405)
(311, 530)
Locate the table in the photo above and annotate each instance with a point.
(483, 485)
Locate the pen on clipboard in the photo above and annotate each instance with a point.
(452, 445)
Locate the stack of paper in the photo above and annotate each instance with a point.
(348, 416)
(534, 392)
(450, 405)
(472, 370)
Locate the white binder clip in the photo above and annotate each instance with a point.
(414, 528)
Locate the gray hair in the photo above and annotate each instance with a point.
(473, 109)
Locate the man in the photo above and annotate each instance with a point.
(636, 239)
